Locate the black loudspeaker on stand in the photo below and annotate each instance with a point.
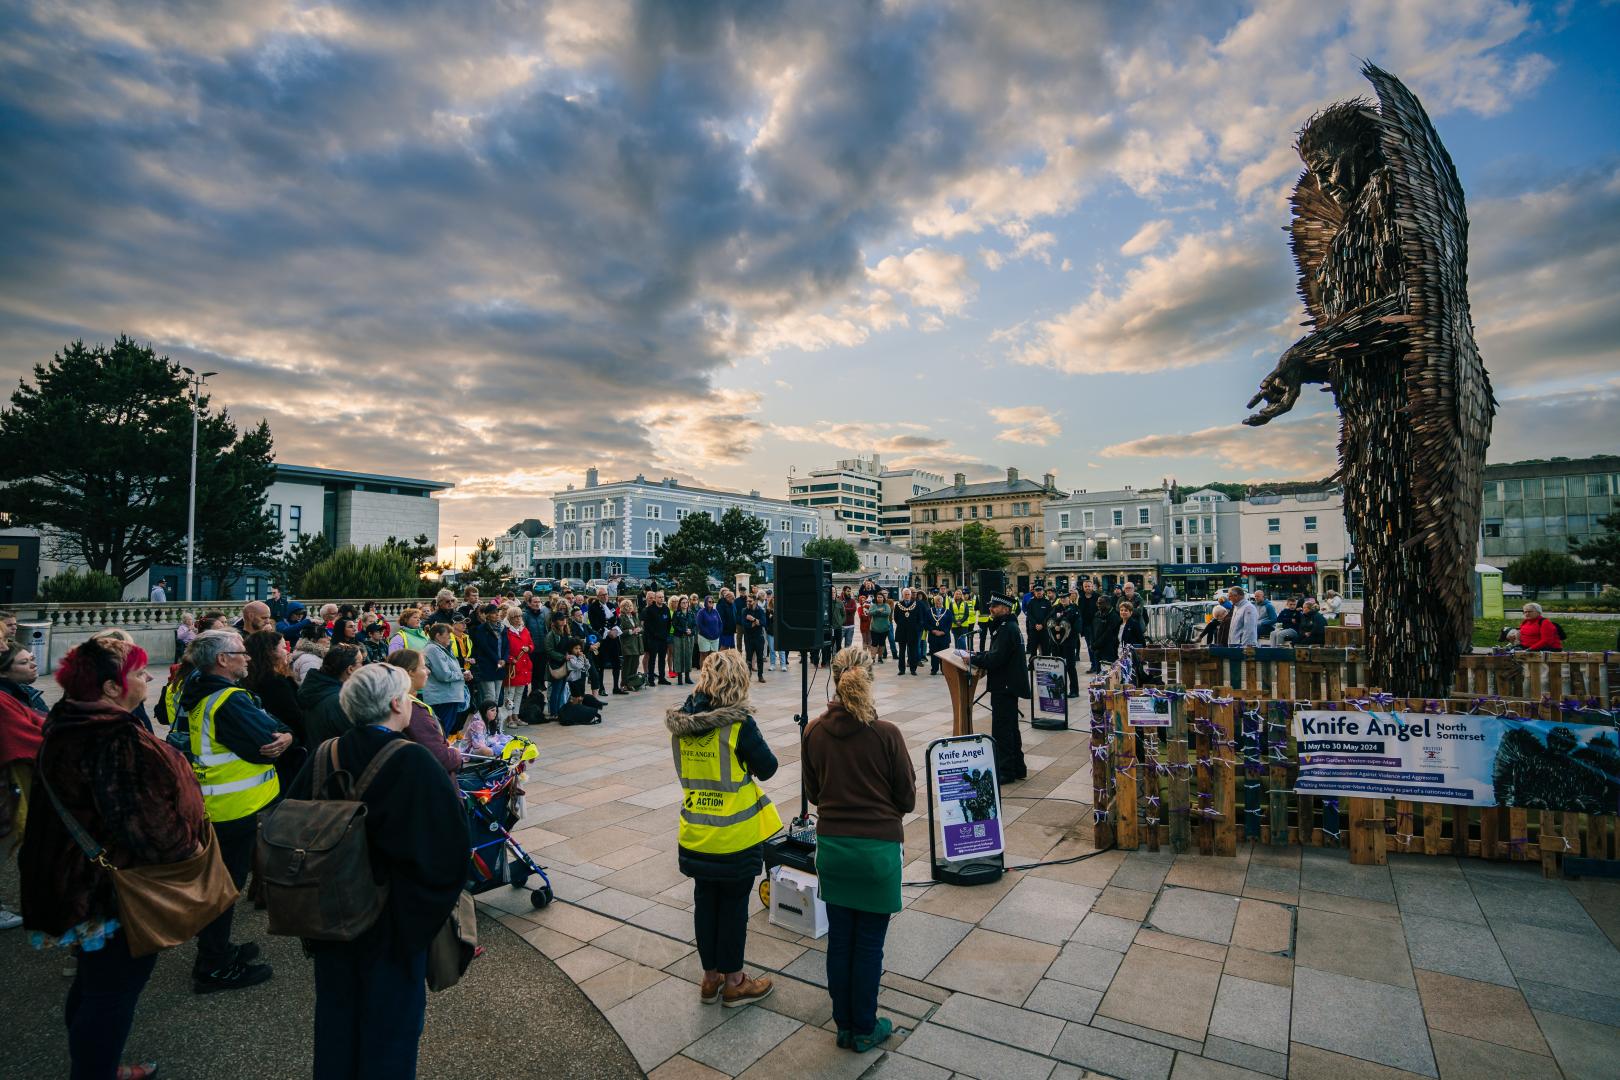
(801, 588)
(991, 581)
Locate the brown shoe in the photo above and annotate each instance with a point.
(709, 992)
(745, 992)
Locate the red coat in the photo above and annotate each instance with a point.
(520, 647)
(1539, 633)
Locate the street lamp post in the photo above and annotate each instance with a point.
(455, 550)
(196, 381)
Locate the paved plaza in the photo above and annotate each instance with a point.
(1279, 962)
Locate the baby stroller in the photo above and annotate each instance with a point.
(488, 785)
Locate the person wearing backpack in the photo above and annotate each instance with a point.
(371, 991)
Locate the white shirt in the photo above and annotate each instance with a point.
(158, 595)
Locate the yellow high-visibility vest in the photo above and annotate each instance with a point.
(231, 788)
(722, 809)
(408, 638)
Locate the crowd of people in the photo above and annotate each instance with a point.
(250, 699)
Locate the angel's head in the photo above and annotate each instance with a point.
(1340, 147)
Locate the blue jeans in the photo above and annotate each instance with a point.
(368, 1012)
(101, 1007)
(556, 696)
(854, 964)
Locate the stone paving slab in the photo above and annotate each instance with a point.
(1369, 1020)
(1137, 994)
(1461, 949)
(1372, 949)
(1251, 1012)
(1253, 1058)
(1194, 913)
(971, 1055)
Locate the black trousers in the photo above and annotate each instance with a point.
(658, 661)
(101, 1007)
(754, 651)
(1072, 672)
(236, 848)
(720, 917)
(1004, 717)
(905, 652)
(369, 1010)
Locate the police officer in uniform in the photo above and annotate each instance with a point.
(1009, 681)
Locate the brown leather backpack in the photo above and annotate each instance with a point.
(312, 857)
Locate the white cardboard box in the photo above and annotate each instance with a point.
(796, 902)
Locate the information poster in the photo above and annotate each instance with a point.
(1480, 760)
(1145, 710)
(967, 799)
(1051, 689)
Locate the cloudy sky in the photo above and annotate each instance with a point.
(496, 244)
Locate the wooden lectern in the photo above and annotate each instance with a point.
(963, 680)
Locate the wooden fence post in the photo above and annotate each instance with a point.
(1177, 801)
(1125, 810)
(1102, 773)
(1223, 776)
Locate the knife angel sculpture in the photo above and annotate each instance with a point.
(1380, 236)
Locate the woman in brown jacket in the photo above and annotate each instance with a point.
(859, 775)
(136, 797)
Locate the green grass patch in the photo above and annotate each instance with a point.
(1580, 635)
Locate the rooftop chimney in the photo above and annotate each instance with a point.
(1012, 475)
(961, 481)
(590, 477)
(1049, 481)
(754, 494)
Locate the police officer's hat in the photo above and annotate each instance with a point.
(1001, 598)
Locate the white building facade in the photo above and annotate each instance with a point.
(857, 497)
(1110, 537)
(1295, 543)
(603, 530)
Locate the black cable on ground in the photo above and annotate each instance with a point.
(1026, 866)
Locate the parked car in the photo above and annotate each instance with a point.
(610, 584)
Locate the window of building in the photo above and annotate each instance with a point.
(989, 511)
(570, 512)
(1178, 526)
(1192, 527)
(608, 536)
(590, 513)
(1068, 553)
(250, 590)
(784, 525)
(569, 541)
(1310, 552)
(786, 547)
(958, 513)
(607, 508)
(654, 511)
(1209, 554)
(1142, 515)
(1137, 549)
(1099, 549)
(1181, 555)
(1209, 526)
(1119, 517)
(1310, 522)
(681, 512)
(587, 537)
(274, 510)
(1273, 525)
(973, 512)
(806, 526)
(1063, 520)
(295, 522)
(1088, 519)
(1274, 553)
(654, 538)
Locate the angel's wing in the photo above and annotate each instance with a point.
(1449, 400)
(1317, 218)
